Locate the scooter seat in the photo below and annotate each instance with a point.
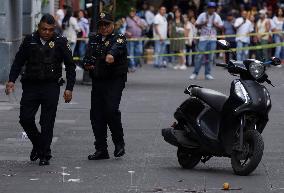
(213, 98)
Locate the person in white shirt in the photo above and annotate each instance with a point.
(149, 15)
(85, 30)
(278, 21)
(160, 33)
(70, 28)
(263, 26)
(59, 15)
(190, 33)
(208, 22)
(243, 27)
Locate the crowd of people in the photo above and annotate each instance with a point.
(75, 27)
(175, 33)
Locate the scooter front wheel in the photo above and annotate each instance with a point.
(187, 160)
(245, 162)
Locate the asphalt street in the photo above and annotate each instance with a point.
(149, 101)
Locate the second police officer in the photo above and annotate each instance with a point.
(106, 61)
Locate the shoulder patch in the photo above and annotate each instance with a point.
(61, 40)
(60, 36)
(30, 39)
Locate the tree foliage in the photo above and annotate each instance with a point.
(123, 7)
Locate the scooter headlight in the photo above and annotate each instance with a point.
(241, 92)
(256, 69)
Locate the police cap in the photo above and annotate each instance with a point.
(105, 18)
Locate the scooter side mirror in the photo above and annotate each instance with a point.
(186, 91)
(223, 44)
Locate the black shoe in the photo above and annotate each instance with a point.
(98, 155)
(48, 155)
(119, 150)
(43, 162)
(33, 155)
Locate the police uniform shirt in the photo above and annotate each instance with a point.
(98, 48)
(62, 53)
(42, 41)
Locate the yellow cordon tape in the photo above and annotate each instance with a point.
(258, 47)
(218, 36)
(198, 37)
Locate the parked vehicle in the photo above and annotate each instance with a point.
(210, 123)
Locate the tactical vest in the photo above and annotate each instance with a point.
(42, 64)
(102, 70)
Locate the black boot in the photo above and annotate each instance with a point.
(119, 150)
(99, 154)
(48, 155)
(34, 155)
(43, 162)
(44, 157)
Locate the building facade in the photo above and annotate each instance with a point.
(17, 19)
(11, 17)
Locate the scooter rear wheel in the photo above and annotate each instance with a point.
(243, 163)
(187, 160)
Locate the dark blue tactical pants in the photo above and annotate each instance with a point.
(34, 95)
(105, 101)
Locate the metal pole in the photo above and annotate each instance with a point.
(114, 8)
(11, 17)
(95, 16)
(94, 27)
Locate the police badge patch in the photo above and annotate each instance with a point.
(102, 15)
(51, 44)
(119, 40)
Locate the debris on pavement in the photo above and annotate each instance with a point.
(9, 175)
(34, 179)
(74, 180)
(226, 186)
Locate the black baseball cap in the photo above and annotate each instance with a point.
(105, 18)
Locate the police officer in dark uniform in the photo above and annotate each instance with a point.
(41, 54)
(106, 61)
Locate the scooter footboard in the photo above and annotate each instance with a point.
(179, 138)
